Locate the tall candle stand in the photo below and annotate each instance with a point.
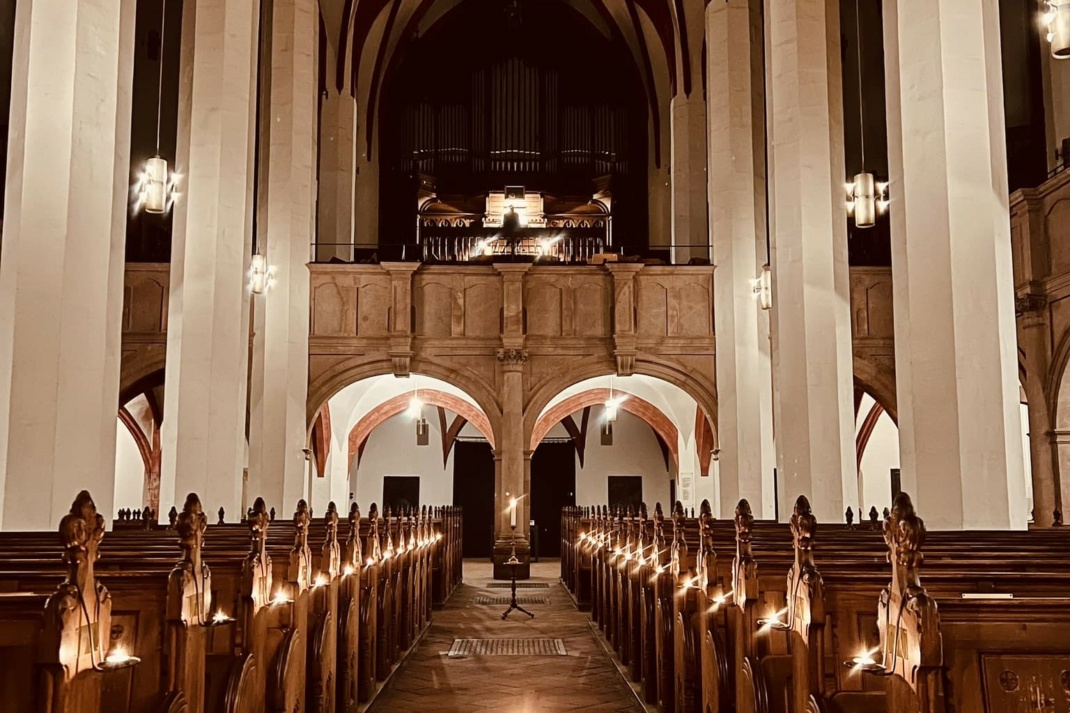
(513, 563)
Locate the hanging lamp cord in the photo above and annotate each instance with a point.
(861, 115)
(159, 86)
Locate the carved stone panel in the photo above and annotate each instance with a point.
(434, 308)
(373, 308)
(483, 301)
(543, 301)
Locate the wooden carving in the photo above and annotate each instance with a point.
(707, 558)
(330, 554)
(189, 591)
(189, 601)
(78, 614)
(911, 648)
(744, 568)
(806, 608)
(299, 573)
(352, 559)
(256, 569)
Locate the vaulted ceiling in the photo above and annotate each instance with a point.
(366, 38)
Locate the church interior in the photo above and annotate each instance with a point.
(646, 356)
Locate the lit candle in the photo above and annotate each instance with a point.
(512, 512)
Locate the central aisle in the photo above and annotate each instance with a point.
(582, 680)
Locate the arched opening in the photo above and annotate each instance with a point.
(619, 441)
(137, 452)
(403, 443)
(877, 451)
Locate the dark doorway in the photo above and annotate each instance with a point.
(553, 486)
(625, 491)
(473, 490)
(400, 492)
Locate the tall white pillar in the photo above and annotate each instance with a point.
(689, 219)
(337, 176)
(61, 268)
(279, 384)
(956, 348)
(203, 428)
(736, 143)
(813, 380)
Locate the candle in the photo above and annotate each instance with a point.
(512, 512)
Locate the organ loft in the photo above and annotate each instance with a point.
(664, 356)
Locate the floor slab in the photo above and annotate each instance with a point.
(584, 679)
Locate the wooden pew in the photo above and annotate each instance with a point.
(204, 663)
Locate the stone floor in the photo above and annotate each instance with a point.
(583, 680)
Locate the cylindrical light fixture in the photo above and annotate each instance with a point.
(763, 288)
(154, 187)
(261, 275)
(863, 200)
(1057, 22)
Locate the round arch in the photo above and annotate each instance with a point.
(398, 404)
(879, 383)
(331, 381)
(635, 405)
(690, 382)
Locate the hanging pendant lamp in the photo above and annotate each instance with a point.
(1056, 21)
(156, 182)
(867, 198)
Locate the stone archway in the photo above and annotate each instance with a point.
(635, 405)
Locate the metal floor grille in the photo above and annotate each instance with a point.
(504, 601)
(507, 647)
(519, 585)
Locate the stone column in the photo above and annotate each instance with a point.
(512, 473)
(689, 224)
(956, 355)
(279, 385)
(737, 191)
(61, 268)
(813, 380)
(208, 319)
(337, 176)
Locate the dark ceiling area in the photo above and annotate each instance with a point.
(523, 92)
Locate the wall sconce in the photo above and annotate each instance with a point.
(416, 406)
(261, 275)
(1056, 20)
(612, 406)
(867, 198)
(763, 288)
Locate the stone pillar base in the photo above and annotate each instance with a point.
(503, 549)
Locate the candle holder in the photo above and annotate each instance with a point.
(513, 563)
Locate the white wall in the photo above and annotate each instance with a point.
(129, 470)
(391, 450)
(635, 451)
(881, 455)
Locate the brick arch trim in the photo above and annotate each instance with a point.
(641, 408)
(432, 397)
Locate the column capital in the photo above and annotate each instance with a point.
(400, 268)
(512, 359)
(623, 270)
(512, 271)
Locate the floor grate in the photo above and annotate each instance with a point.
(519, 585)
(507, 647)
(505, 601)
